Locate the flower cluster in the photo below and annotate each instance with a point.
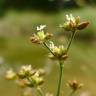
(74, 85)
(27, 76)
(59, 52)
(41, 36)
(73, 24)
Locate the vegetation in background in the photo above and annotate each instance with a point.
(44, 5)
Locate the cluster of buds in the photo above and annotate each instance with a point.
(74, 85)
(59, 53)
(41, 36)
(73, 23)
(26, 76)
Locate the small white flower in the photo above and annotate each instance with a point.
(53, 47)
(70, 18)
(41, 27)
(26, 68)
(67, 17)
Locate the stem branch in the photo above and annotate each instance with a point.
(72, 36)
(44, 43)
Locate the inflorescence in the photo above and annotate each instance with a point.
(26, 76)
(29, 77)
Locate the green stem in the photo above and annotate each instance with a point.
(60, 78)
(44, 43)
(72, 37)
(40, 91)
(72, 93)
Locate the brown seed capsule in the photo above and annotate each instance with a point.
(82, 25)
(34, 40)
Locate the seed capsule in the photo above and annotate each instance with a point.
(82, 25)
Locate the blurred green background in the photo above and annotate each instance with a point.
(18, 20)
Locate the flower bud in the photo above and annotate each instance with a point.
(82, 25)
(48, 36)
(41, 35)
(66, 26)
(34, 40)
(77, 20)
(35, 81)
(40, 81)
(73, 24)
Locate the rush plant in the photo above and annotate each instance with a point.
(29, 77)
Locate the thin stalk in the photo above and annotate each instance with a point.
(72, 37)
(48, 47)
(72, 93)
(40, 92)
(60, 78)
